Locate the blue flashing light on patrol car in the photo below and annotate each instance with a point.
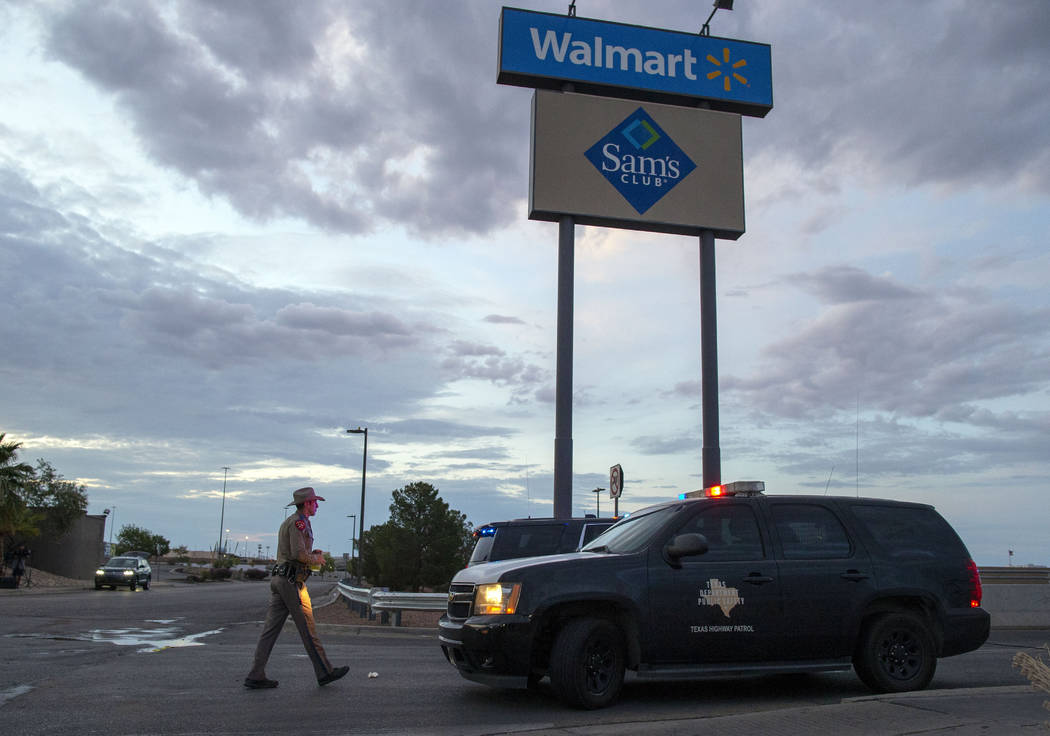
(736, 488)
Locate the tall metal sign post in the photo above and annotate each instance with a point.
(616, 487)
(636, 128)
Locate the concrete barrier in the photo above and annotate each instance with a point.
(1017, 606)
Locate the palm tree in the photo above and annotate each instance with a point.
(15, 517)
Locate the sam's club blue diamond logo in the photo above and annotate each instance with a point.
(640, 160)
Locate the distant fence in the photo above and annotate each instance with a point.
(386, 605)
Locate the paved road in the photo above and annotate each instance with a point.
(171, 660)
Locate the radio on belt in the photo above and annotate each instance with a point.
(736, 488)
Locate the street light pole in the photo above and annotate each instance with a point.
(598, 500)
(353, 540)
(364, 462)
(112, 521)
(222, 514)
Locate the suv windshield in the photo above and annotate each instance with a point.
(123, 562)
(633, 533)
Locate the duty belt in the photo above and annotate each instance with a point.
(290, 570)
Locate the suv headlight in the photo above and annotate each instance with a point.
(100, 571)
(129, 572)
(497, 598)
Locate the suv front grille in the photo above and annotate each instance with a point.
(461, 600)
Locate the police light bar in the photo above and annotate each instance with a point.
(736, 488)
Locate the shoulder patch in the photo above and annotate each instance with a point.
(300, 524)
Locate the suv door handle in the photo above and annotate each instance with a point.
(854, 575)
(756, 579)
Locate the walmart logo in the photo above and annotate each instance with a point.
(727, 73)
(640, 160)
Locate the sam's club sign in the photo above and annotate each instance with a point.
(640, 160)
(612, 162)
(546, 50)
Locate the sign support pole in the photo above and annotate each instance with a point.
(711, 454)
(563, 378)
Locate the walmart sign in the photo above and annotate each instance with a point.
(547, 51)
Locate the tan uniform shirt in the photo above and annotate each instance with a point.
(295, 540)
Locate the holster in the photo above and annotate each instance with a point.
(292, 570)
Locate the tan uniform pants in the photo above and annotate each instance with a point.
(288, 598)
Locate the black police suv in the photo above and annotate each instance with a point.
(505, 540)
(736, 583)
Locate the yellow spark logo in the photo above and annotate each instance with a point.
(727, 73)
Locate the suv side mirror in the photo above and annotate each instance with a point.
(685, 545)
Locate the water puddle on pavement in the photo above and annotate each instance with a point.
(148, 640)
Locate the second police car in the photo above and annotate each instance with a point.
(733, 582)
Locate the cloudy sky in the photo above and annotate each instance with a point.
(230, 231)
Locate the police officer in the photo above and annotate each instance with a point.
(289, 597)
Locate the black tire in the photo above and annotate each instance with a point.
(132, 585)
(98, 587)
(145, 584)
(587, 663)
(895, 654)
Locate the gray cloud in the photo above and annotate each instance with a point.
(863, 93)
(474, 360)
(499, 319)
(330, 113)
(430, 430)
(102, 328)
(325, 112)
(842, 284)
(917, 356)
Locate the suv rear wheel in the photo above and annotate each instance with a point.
(587, 663)
(895, 654)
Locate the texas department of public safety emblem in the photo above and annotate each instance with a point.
(717, 594)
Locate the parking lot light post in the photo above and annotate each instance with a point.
(353, 539)
(222, 513)
(598, 501)
(364, 462)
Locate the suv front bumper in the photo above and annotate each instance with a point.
(492, 650)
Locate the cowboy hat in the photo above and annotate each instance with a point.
(303, 495)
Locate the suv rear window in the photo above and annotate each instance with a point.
(910, 531)
(527, 541)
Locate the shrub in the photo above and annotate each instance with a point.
(1037, 672)
(254, 573)
(219, 573)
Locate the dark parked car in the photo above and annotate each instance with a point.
(124, 570)
(506, 540)
(740, 584)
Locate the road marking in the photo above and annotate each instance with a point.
(14, 692)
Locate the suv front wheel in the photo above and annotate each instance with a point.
(895, 654)
(587, 663)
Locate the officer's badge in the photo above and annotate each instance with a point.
(300, 524)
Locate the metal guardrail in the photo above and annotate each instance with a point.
(369, 602)
(1015, 575)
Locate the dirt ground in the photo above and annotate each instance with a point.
(41, 579)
